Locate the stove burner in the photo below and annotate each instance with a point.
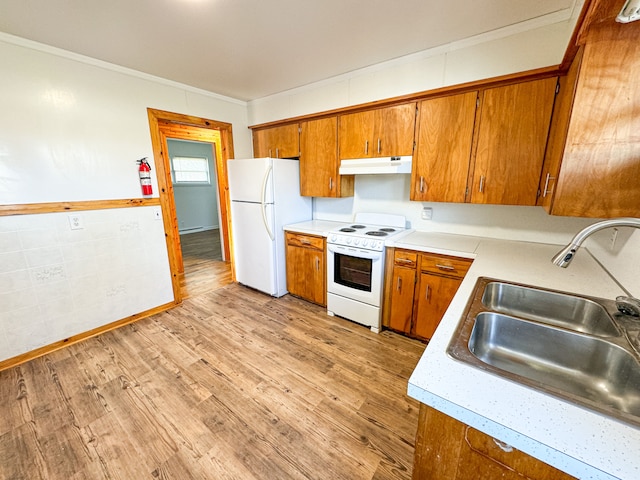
(387, 229)
(347, 229)
(377, 233)
(358, 226)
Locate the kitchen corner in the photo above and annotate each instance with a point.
(578, 441)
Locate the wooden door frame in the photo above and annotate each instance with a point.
(164, 124)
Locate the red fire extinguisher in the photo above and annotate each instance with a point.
(145, 176)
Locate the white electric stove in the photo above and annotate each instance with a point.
(355, 267)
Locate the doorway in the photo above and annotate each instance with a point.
(218, 136)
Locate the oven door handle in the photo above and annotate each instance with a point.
(357, 253)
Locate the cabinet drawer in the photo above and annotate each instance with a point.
(405, 258)
(305, 241)
(454, 266)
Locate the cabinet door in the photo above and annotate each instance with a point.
(306, 273)
(393, 131)
(277, 142)
(434, 294)
(443, 148)
(447, 449)
(319, 160)
(404, 280)
(601, 164)
(558, 134)
(355, 133)
(511, 140)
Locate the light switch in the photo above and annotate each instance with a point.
(427, 213)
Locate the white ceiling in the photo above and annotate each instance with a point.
(249, 49)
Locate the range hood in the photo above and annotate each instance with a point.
(375, 166)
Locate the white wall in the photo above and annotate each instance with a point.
(521, 47)
(517, 48)
(71, 129)
(197, 204)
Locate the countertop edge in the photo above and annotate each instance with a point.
(507, 435)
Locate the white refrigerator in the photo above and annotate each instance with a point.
(265, 196)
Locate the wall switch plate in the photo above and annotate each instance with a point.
(427, 213)
(76, 223)
(157, 213)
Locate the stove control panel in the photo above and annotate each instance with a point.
(369, 244)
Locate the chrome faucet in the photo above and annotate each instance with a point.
(626, 305)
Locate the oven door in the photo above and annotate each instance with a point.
(355, 273)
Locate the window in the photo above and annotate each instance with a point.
(190, 170)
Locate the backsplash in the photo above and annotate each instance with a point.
(390, 194)
(56, 282)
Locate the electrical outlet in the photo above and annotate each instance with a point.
(76, 223)
(427, 213)
(613, 238)
(157, 213)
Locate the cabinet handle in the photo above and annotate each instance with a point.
(449, 268)
(426, 293)
(481, 189)
(399, 284)
(270, 153)
(277, 153)
(406, 261)
(421, 184)
(366, 147)
(546, 184)
(330, 183)
(304, 241)
(317, 264)
(379, 145)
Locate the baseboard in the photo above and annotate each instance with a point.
(187, 231)
(39, 352)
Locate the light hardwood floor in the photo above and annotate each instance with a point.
(204, 269)
(232, 384)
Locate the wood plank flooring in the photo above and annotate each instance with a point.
(204, 269)
(232, 384)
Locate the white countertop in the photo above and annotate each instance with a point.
(314, 227)
(581, 442)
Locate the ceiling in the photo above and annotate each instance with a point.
(249, 49)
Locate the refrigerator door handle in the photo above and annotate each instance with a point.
(265, 182)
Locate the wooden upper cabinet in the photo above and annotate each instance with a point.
(511, 139)
(356, 134)
(444, 135)
(277, 142)
(558, 134)
(601, 162)
(394, 130)
(319, 161)
(380, 132)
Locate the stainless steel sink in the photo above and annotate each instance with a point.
(571, 346)
(568, 311)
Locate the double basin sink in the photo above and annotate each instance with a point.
(578, 348)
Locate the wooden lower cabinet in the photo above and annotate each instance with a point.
(306, 267)
(420, 290)
(403, 284)
(447, 449)
(434, 294)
